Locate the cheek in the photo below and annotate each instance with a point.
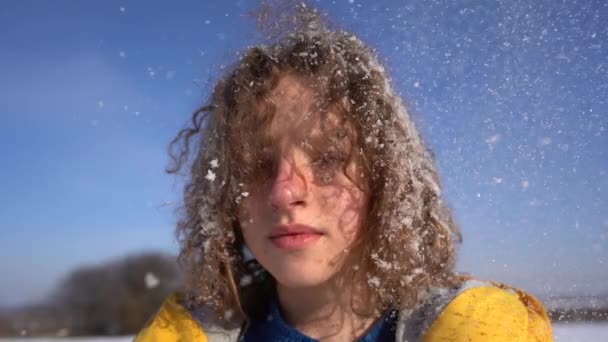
(245, 219)
(346, 207)
(249, 209)
(250, 216)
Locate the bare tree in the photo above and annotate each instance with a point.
(113, 298)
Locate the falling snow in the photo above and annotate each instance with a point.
(246, 280)
(151, 280)
(511, 100)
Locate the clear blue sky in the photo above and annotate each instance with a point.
(511, 96)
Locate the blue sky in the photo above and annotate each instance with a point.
(510, 95)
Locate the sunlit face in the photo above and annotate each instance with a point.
(301, 222)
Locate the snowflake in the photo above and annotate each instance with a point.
(228, 314)
(246, 280)
(381, 263)
(493, 140)
(210, 175)
(151, 280)
(407, 221)
(374, 281)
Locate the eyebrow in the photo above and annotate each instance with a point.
(335, 138)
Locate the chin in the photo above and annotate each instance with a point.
(301, 277)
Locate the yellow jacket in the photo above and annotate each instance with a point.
(479, 311)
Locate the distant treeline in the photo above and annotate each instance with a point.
(578, 315)
(116, 298)
(577, 308)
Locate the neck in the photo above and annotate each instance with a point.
(324, 312)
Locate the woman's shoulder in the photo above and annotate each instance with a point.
(476, 311)
(488, 311)
(174, 322)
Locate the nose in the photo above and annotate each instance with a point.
(289, 188)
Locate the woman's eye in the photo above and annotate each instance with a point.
(328, 159)
(327, 165)
(265, 166)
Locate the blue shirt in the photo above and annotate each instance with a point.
(274, 328)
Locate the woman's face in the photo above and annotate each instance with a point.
(301, 221)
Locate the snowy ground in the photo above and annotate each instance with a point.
(572, 332)
(579, 332)
(72, 339)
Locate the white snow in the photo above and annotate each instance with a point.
(246, 280)
(210, 175)
(70, 339)
(228, 314)
(579, 332)
(374, 281)
(545, 141)
(493, 140)
(151, 72)
(151, 280)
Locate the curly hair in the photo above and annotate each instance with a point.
(408, 242)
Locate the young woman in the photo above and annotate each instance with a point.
(313, 211)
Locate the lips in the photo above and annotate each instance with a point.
(294, 236)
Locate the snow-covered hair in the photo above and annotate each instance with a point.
(408, 241)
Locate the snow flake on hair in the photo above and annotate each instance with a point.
(210, 176)
(407, 221)
(383, 264)
(209, 226)
(374, 281)
(246, 280)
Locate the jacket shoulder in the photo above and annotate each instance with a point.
(172, 322)
(488, 311)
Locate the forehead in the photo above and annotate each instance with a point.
(299, 111)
